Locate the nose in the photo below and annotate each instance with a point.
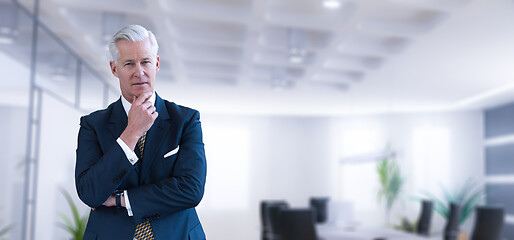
(139, 71)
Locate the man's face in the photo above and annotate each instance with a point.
(136, 68)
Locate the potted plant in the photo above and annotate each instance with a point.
(468, 196)
(4, 230)
(406, 225)
(76, 227)
(391, 183)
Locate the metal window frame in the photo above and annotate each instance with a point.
(36, 93)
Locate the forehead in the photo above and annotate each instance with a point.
(134, 50)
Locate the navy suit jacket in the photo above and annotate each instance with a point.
(164, 191)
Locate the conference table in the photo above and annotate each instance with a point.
(334, 232)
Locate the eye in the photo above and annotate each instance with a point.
(128, 64)
(146, 62)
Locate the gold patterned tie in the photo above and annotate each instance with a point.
(141, 145)
(143, 230)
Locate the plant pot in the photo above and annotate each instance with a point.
(463, 236)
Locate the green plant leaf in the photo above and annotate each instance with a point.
(469, 205)
(5, 230)
(391, 181)
(77, 224)
(468, 187)
(69, 229)
(468, 196)
(67, 221)
(406, 225)
(446, 194)
(440, 207)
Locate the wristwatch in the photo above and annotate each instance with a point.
(118, 195)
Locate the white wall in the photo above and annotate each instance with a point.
(59, 131)
(13, 125)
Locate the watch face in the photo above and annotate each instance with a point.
(118, 199)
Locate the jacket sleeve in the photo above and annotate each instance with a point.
(184, 188)
(98, 173)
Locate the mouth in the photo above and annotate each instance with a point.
(139, 84)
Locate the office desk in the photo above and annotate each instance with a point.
(333, 232)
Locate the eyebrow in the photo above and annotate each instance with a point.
(132, 60)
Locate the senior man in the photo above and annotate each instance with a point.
(140, 162)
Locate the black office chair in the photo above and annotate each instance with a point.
(488, 223)
(297, 224)
(451, 230)
(269, 208)
(320, 207)
(270, 219)
(425, 218)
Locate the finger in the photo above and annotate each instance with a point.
(151, 109)
(143, 97)
(139, 100)
(146, 105)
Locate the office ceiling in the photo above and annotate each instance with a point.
(299, 57)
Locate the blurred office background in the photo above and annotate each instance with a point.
(298, 99)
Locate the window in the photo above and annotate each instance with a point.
(431, 158)
(227, 152)
(357, 172)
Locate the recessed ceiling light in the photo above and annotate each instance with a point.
(296, 55)
(6, 40)
(331, 4)
(295, 59)
(280, 84)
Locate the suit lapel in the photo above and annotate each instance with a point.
(118, 120)
(154, 138)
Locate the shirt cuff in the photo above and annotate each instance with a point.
(127, 204)
(131, 155)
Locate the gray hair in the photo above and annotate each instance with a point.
(132, 33)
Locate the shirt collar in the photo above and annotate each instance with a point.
(127, 104)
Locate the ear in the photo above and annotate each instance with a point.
(157, 66)
(114, 70)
